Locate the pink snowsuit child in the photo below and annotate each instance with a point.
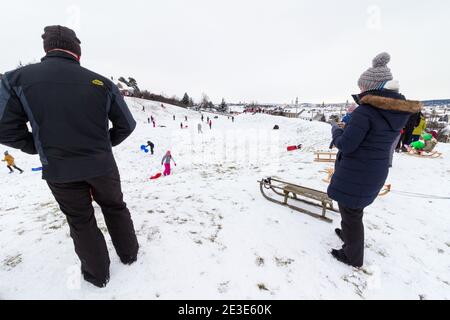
(166, 162)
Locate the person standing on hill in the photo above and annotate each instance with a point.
(69, 109)
(420, 128)
(210, 124)
(200, 128)
(10, 163)
(166, 161)
(413, 122)
(151, 145)
(365, 147)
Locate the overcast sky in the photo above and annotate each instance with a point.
(244, 50)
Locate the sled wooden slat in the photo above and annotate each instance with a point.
(325, 156)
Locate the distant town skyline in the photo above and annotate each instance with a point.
(265, 51)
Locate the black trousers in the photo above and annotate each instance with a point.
(353, 234)
(75, 201)
(15, 167)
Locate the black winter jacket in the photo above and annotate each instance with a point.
(365, 145)
(69, 109)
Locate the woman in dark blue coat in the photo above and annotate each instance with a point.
(365, 147)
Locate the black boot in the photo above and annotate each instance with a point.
(96, 282)
(128, 260)
(340, 256)
(339, 234)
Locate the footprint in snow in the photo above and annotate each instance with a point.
(12, 262)
(223, 287)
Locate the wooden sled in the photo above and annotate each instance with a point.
(386, 189)
(330, 172)
(431, 155)
(288, 191)
(322, 156)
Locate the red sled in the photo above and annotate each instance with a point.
(157, 176)
(294, 148)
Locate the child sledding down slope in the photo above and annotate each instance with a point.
(365, 147)
(166, 161)
(426, 144)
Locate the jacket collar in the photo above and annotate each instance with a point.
(388, 100)
(60, 55)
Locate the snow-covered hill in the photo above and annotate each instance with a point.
(207, 233)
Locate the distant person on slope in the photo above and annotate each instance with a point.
(420, 128)
(200, 128)
(166, 161)
(365, 147)
(151, 145)
(69, 108)
(413, 122)
(10, 163)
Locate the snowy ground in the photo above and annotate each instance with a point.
(207, 233)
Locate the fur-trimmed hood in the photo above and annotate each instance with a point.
(392, 104)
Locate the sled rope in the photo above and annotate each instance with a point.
(419, 195)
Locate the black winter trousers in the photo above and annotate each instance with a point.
(15, 167)
(75, 201)
(353, 234)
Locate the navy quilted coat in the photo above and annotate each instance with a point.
(365, 144)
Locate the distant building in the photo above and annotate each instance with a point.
(124, 89)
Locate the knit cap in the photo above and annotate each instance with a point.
(375, 78)
(59, 37)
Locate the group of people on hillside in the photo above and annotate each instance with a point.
(52, 90)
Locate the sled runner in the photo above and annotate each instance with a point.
(322, 156)
(432, 155)
(330, 173)
(386, 189)
(289, 191)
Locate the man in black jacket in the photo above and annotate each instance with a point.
(69, 109)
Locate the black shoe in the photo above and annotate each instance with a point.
(128, 260)
(340, 256)
(98, 283)
(339, 234)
